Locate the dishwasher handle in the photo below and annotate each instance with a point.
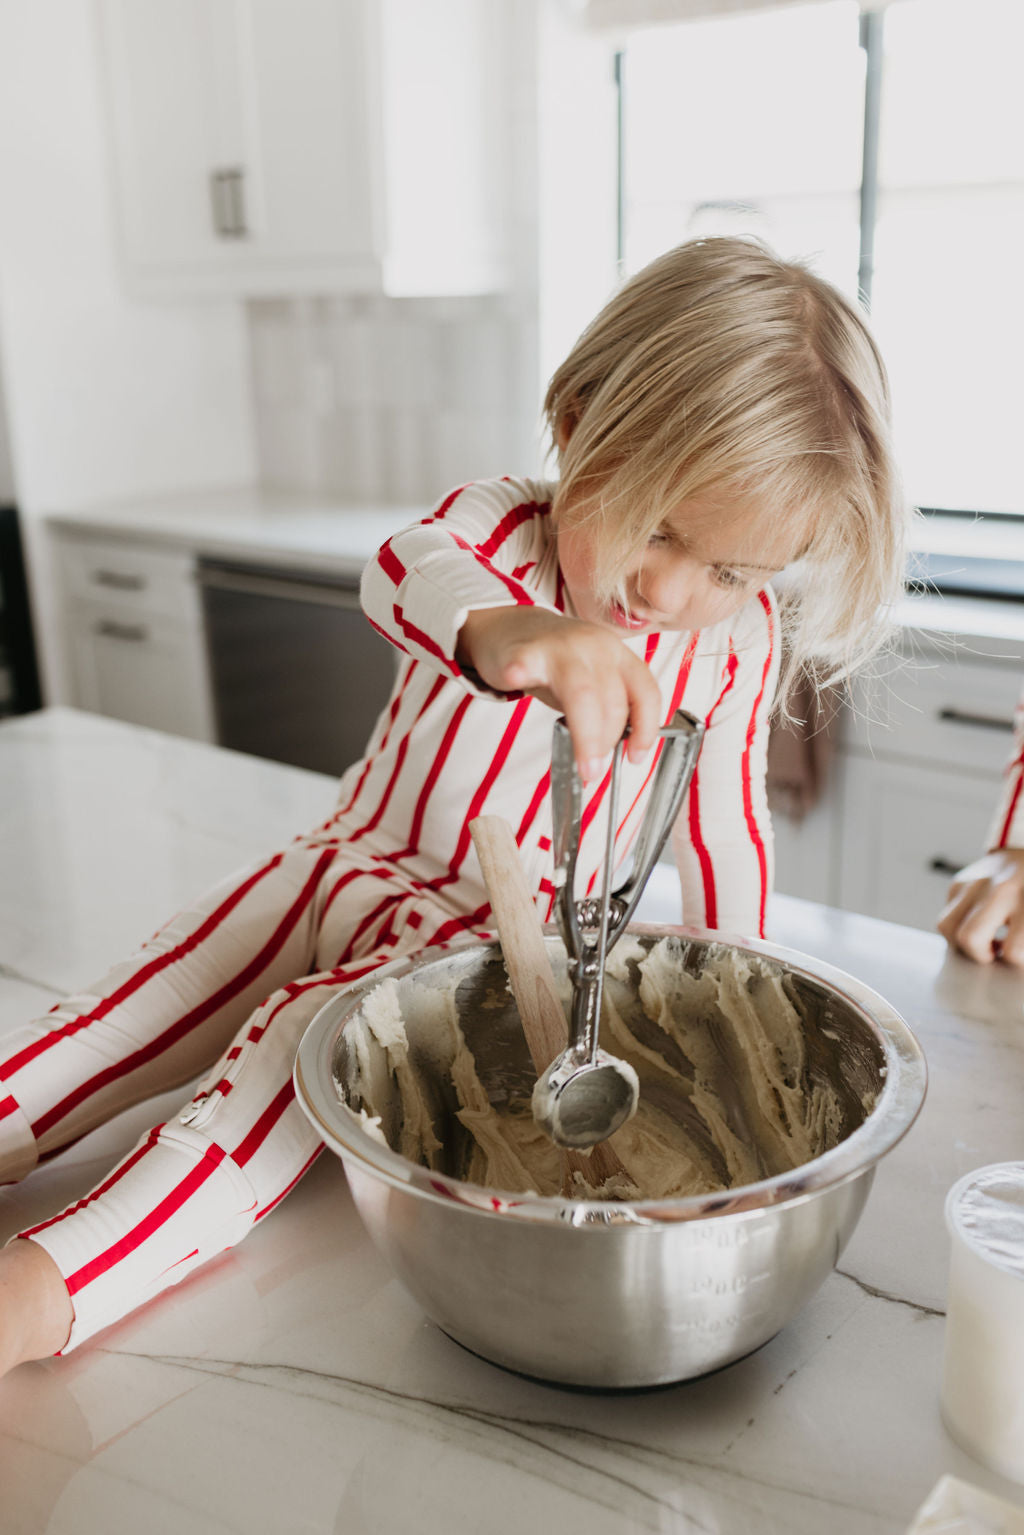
(249, 581)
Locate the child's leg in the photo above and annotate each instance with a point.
(196, 1185)
(163, 1016)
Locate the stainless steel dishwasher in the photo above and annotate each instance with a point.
(298, 673)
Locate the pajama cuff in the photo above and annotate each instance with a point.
(176, 1202)
(18, 1150)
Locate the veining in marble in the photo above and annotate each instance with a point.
(293, 1385)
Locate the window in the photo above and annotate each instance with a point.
(755, 124)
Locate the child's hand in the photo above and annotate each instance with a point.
(583, 671)
(982, 898)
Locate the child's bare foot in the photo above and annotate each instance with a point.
(35, 1308)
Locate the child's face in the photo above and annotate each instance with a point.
(703, 563)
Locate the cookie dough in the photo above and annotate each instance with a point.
(729, 1088)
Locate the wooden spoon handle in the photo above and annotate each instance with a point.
(522, 941)
(530, 975)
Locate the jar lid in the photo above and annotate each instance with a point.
(986, 1210)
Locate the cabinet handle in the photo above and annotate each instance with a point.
(110, 629)
(119, 580)
(227, 197)
(943, 866)
(985, 721)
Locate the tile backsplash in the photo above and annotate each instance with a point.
(388, 400)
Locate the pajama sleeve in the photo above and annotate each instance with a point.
(722, 839)
(1007, 829)
(482, 547)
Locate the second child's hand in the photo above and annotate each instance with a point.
(580, 669)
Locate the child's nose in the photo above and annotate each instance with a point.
(669, 585)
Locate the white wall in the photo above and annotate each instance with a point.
(106, 397)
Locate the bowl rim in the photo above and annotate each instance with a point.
(894, 1112)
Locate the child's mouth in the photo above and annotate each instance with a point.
(624, 619)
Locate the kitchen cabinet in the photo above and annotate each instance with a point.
(134, 634)
(914, 785)
(282, 146)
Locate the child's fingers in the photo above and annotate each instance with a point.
(596, 714)
(981, 917)
(1011, 950)
(644, 711)
(598, 705)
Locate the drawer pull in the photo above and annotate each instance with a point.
(120, 580)
(109, 629)
(986, 721)
(943, 866)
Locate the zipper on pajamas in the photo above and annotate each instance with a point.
(208, 1100)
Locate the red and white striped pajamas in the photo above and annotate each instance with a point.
(230, 984)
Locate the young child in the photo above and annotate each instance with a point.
(723, 418)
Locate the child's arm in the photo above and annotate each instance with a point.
(471, 592)
(989, 893)
(983, 898)
(722, 840)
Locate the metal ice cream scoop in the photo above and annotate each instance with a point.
(586, 1094)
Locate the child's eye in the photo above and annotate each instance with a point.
(728, 578)
(658, 538)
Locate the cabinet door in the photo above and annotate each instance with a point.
(148, 670)
(904, 830)
(178, 126)
(313, 196)
(287, 146)
(135, 635)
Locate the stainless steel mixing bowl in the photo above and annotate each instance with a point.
(605, 1294)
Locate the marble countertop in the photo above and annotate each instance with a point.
(295, 530)
(293, 1385)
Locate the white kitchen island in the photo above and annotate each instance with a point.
(294, 1386)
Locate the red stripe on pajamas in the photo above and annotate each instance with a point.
(146, 973)
(7, 1106)
(748, 800)
(504, 747)
(158, 1217)
(423, 640)
(456, 925)
(101, 1188)
(199, 1014)
(447, 504)
(381, 871)
(530, 814)
(430, 781)
(384, 633)
(396, 704)
(261, 1129)
(303, 1170)
(519, 592)
(389, 788)
(1011, 811)
(512, 520)
(381, 914)
(390, 564)
(707, 871)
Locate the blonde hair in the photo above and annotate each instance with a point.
(721, 369)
